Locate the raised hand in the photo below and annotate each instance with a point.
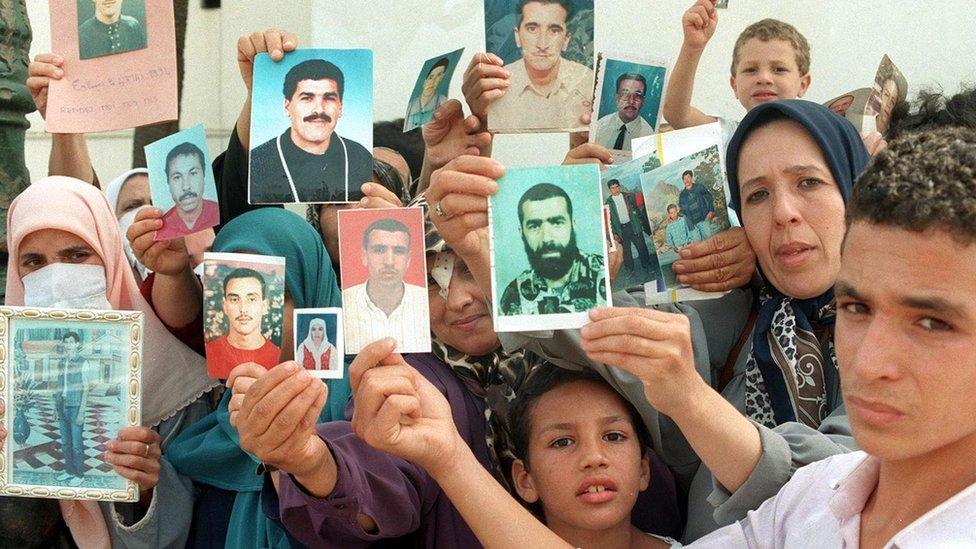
(720, 263)
(167, 257)
(399, 412)
(458, 199)
(485, 80)
(273, 42)
(589, 153)
(699, 23)
(653, 345)
(277, 417)
(44, 68)
(450, 134)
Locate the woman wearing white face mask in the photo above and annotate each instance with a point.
(66, 251)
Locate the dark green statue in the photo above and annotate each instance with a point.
(15, 103)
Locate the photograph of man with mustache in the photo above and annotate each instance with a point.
(186, 175)
(560, 277)
(244, 303)
(310, 162)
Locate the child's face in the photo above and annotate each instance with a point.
(586, 460)
(767, 71)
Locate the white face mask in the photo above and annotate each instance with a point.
(67, 286)
(125, 222)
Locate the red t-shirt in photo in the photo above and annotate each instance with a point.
(222, 357)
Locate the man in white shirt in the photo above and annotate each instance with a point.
(615, 130)
(546, 91)
(906, 349)
(384, 305)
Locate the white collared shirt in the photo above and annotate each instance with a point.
(524, 107)
(364, 322)
(608, 127)
(820, 507)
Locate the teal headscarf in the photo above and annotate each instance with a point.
(209, 451)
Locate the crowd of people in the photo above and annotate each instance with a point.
(823, 401)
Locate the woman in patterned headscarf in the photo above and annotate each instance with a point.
(743, 415)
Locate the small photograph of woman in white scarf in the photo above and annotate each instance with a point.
(318, 338)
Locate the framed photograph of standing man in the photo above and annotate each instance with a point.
(629, 95)
(243, 304)
(70, 382)
(107, 27)
(182, 183)
(547, 47)
(311, 127)
(384, 278)
(555, 217)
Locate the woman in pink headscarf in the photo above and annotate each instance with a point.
(65, 250)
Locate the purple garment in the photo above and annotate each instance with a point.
(405, 501)
(400, 496)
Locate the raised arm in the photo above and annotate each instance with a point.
(69, 151)
(177, 294)
(485, 81)
(450, 135)
(698, 24)
(458, 199)
(273, 42)
(411, 419)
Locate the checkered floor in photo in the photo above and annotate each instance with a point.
(45, 452)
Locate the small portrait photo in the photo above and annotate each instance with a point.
(107, 27)
(243, 310)
(547, 47)
(629, 95)
(182, 183)
(311, 127)
(624, 203)
(890, 88)
(686, 203)
(548, 257)
(318, 341)
(384, 278)
(70, 381)
(431, 89)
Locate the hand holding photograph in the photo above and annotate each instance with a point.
(71, 383)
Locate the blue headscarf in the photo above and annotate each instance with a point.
(785, 372)
(209, 451)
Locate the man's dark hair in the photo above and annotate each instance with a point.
(442, 62)
(409, 144)
(688, 172)
(388, 225)
(671, 207)
(244, 272)
(540, 381)
(313, 69)
(543, 191)
(933, 109)
(184, 149)
(923, 180)
(520, 9)
(631, 76)
(71, 335)
(612, 182)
